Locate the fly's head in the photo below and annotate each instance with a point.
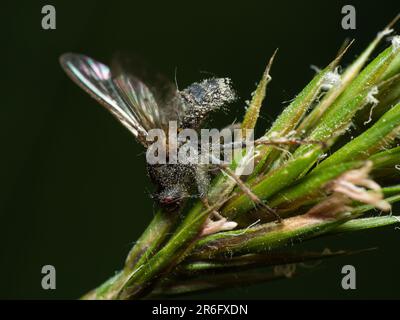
(171, 198)
(173, 183)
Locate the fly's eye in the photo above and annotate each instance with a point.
(167, 200)
(169, 203)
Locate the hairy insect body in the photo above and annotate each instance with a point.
(143, 104)
(176, 182)
(205, 97)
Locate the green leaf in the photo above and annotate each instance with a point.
(292, 114)
(269, 185)
(332, 123)
(253, 111)
(387, 158)
(365, 223)
(268, 236)
(311, 186)
(379, 136)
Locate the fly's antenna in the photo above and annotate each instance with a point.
(176, 78)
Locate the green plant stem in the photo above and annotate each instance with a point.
(257, 260)
(268, 236)
(168, 256)
(146, 246)
(154, 235)
(365, 223)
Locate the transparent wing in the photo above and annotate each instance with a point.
(95, 78)
(132, 68)
(141, 101)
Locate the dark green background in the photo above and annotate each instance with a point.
(74, 193)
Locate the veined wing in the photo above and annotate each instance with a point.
(141, 101)
(130, 70)
(95, 78)
(189, 107)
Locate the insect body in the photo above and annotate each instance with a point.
(143, 104)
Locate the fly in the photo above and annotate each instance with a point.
(142, 103)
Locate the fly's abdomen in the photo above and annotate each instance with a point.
(201, 98)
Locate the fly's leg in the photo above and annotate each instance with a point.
(215, 222)
(202, 180)
(288, 140)
(246, 190)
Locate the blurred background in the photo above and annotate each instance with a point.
(74, 191)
